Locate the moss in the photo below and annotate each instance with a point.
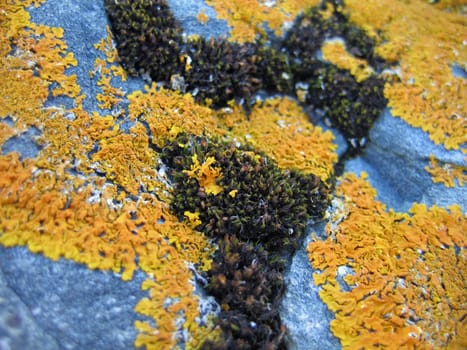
(148, 37)
(216, 71)
(258, 215)
(221, 71)
(351, 107)
(270, 206)
(249, 288)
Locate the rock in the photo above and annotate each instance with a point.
(64, 305)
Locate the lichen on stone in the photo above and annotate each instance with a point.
(426, 42)
(450, 175)
(405, 272)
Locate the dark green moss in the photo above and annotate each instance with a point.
(352, 107)
(148, 37)
(249, 287)
(270, 207)
(149, 41)
(258, 219)
(221, 71)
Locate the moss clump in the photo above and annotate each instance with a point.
(259, 202)
(316, 25)
(148, 37)
(249, 288)
(217, 71)
(258, 214)
(221, 71)
(351, 106)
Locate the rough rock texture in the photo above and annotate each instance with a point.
(307, 325)
(395, 159)
(64, 305)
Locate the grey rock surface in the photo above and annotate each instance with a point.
(64, 305)
(302, 311)
(395, 160)
(18, 328)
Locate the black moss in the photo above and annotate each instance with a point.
(351, 106)
(258, 219)
(222, 71)
(249, 288)
(270, 206)
(148, 37)
(216, 71)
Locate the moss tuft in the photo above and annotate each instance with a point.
(249, 288)
(148, 37)
(258, 216)
(259, 202)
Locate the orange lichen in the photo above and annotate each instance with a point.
(248, 18)
(93, 193)
(202, 17)
(170, 112)
(206, 175)
(426, 42)
(107, 69)
(33, 59)
(336, 53)
(280, 128)
(447, 173)
(406, 272)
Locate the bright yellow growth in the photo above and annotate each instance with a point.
(248, 18)
(29, 56)
(407, 285)
(447, 174)
(280, 128)
(111, 216)
(426, 42)
(336, 53)
(205, 174)
(107, 69)
(167, 111)
(202, 17)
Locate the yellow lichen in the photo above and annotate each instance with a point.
(206, 175)
(280, 128)
(426, 42)
(166, 111)
(193, 218)
(407, 272)
(202, 17)
(107, 69)
(93, 193)
(447, 174)
(248, 18)
(336, 53)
